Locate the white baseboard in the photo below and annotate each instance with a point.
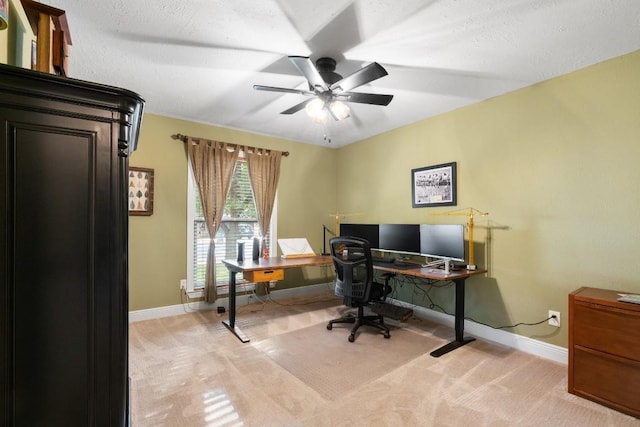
(509, 339)
(175, 310)
(518, 342)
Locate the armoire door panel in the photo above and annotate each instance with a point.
(55, 286)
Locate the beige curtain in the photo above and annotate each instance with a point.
(213, 165)
(264, 172)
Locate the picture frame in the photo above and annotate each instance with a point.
(140, 190)
(434, 185)
(4, 14)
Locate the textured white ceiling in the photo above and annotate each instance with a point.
(198, 59)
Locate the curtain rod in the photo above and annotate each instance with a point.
(184, 138)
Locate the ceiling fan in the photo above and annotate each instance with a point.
(328, 90)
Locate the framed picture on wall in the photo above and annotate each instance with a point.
(4, 14)
(434, 186)
(140, 191)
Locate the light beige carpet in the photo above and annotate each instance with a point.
(332, 366)
(189, 370)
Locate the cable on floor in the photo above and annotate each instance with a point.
(419, 288)
(511, 326)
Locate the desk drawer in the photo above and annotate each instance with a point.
(264, 275)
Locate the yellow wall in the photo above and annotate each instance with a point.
(157, 243)
(555, 165)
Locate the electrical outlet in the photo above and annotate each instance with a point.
(183, 284)
(555, 321)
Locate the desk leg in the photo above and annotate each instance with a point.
(459, 324)
(231, 323)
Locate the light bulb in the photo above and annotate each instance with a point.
(339, 109)
(320, 117)
(314, 107)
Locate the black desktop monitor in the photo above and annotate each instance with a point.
(364, 231)
(442, 241)
(400, 238)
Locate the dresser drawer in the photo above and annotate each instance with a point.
(606, 329)
(264, 275)
(607, 379)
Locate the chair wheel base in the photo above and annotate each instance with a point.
(376, 321)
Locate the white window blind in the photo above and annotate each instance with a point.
(239, 224)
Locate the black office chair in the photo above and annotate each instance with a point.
(354, 283)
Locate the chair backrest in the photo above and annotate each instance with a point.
(354, 268)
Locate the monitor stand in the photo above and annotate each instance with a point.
(440, 261)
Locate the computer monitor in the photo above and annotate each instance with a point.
(444, 241)
(364, 231)
(400, 238)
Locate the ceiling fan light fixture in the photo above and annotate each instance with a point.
(329, 90)
(339, 109)
(320, 118)
(314, 107)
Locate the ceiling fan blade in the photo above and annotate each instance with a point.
(297, 107)
(365, 98)
(363, 76)
(310, 72)
(283, 89)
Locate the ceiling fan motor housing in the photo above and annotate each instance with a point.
(326, 67)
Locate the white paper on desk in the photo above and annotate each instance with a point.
(295, 247)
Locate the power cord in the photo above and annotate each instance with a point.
(425, 293)
(267, 298)
(512, 326)
(185, 304)
(433, 305)
(300, 303)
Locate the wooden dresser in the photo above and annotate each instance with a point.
(604, 349)
(64, 147)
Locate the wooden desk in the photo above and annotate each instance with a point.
(261, 266)
(458, 277)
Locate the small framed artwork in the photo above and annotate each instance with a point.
(140, 191)
(4, 14)
(434, 186)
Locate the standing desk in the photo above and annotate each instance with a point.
(262, 270)
(266, 269)
(458, 277)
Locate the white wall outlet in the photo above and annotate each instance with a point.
(183, 284)
(554, 321)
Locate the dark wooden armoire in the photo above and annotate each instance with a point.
(64, 147)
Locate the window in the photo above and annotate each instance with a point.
(239, 224)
